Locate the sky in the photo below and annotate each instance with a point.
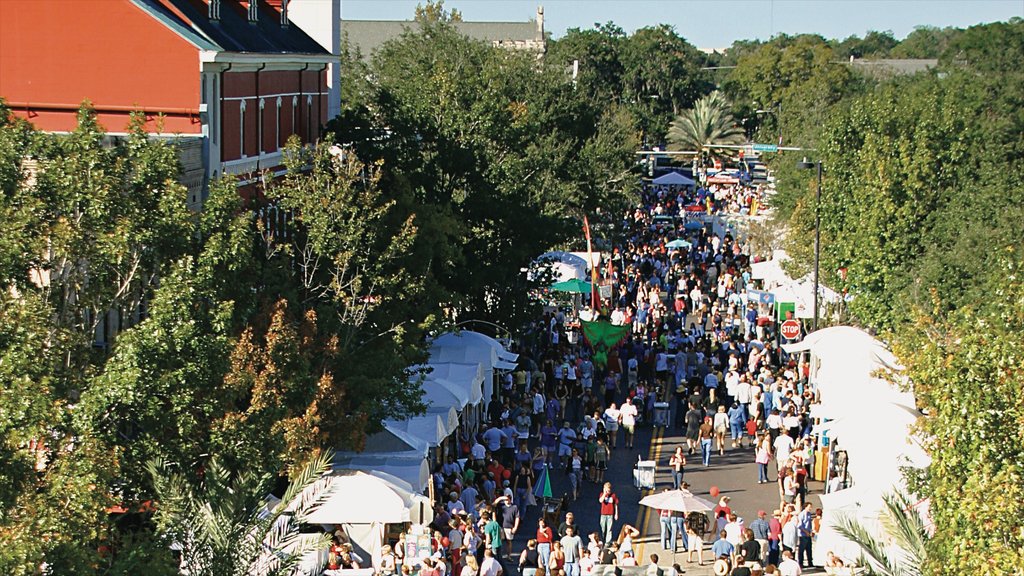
(717, 23)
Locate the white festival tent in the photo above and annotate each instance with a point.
(469, 351)
(564, 265)
(362, 503)
(439, 390)
(441, 393)
(469, 337)
(468, 376)
(432, 427)
(673, 179)
(871, 420)
(411, 469)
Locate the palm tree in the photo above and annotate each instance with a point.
(225, 527)
(904, 527)
(708, 122)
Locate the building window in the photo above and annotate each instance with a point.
(241, 127)
(309, 119)
(259, 125)
(295, 107)
(277, 124)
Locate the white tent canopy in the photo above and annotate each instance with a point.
(412, 470)
(873, 421)
(673, 179)
(431, 428)
(362, 498)
(469, 338)
(433, 386)
(468, 376)
(564, 265)
(469, 352)
(770, 271)
(437, 394)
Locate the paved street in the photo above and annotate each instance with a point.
(735, 475)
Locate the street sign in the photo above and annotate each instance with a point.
(781, 308)
(760, 296)
(790, 329)
(765, 148)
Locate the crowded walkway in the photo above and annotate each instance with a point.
(734, 421)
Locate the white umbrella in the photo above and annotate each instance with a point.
(677, 501)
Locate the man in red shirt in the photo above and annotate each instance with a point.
(609, 510)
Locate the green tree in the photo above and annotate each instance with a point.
(903, 527)
(224, 526)
(597, 54)
(966, 369)
(707, 123)
(93, 224)
(662, 76)
(925, 42)
(433, 11)
(501, 154)
(873, 45)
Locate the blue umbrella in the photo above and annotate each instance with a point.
(543, 487)
(678, 244)
(692, 225)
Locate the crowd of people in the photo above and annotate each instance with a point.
(693, 341)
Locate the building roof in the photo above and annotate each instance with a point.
(233, 32)
(894, 66)
(369, 35)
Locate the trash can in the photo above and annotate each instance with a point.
(643, 474)
(661, 414)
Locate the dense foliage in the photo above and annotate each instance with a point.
(250, 336)
(923, 204)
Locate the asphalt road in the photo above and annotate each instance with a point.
(734, 474)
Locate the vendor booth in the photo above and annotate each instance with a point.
(469, 351)
(865, 424)
(364, 505)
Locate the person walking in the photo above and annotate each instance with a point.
(677, 465)
(545, 535)
(763, 455)
(572, 548)
(679, 531)
(706, 433)
(721, 426)
(628, 414)
(529, 560)
(609, 510)
(612, 418)
(805, 525)
(667, 530)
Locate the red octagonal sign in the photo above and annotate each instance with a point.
(790, 329)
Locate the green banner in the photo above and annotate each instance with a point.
(782, 307)
(603, 336)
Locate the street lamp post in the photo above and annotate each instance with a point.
(806, 165)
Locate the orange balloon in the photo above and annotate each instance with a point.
(714, 491)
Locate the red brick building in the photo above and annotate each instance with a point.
(230, 79)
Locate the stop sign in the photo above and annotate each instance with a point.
(790, 329)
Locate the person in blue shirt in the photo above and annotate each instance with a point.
(805, 529)
(737, 419)
(722, 547)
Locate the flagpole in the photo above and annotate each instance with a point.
(590, 260)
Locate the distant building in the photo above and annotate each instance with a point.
(887, 67)
(369, 35)
(231, 80)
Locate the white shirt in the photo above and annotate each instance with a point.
(478, 451)
(629, 413)
(783, 445)
(490, 567)
(789, 567)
